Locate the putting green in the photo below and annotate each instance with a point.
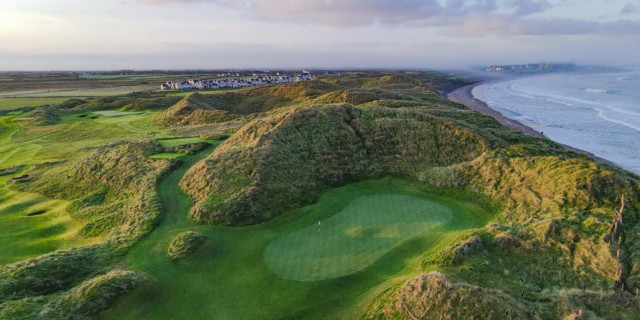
(228, 277)
(354, 238)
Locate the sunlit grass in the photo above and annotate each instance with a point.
(21, 144)
(228, 278)
(358, 235)
(14, 103)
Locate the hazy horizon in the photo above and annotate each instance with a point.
(103, 35)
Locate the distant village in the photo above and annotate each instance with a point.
(535, 67)
(236, 81)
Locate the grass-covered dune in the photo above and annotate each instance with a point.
(428, 210)
(85, 301)
(287, 160)
(113, 193)
(42, 117)
(113, 189)
(185, 244)
(197, 109)
(562, 220)
(354, 88)
(431, 296)
(563, 243)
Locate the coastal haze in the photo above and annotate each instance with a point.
(597, 112)
(223, 34)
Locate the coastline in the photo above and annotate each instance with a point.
(464, 96)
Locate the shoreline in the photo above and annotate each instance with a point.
(464, 96)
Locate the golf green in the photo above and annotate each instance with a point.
(357, 236)
(229, 277)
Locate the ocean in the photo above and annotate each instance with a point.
(598, 113)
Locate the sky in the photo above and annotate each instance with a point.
(334, 34)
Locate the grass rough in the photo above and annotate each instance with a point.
(184, 245)
(281, 162)
(432, 296)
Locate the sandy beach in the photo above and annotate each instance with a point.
(464, 96)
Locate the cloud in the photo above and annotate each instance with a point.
(509, 26)
(171, 1)
(630, 9)
(343, 13)
(368, 12)
(456, 17)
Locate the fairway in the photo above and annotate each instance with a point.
(354, 238)
(229, 277)
(19, 102)
(33, 224)
(115, 113)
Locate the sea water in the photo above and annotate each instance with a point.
(598, 113)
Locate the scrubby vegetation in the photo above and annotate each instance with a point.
(42, 117)
(554, 207)
(114, 196)
(188, 148)
(89, 299)
(562, 242)
(431, 296)
(185, 244)
(284, 161)
(122, 201)
(132, 101)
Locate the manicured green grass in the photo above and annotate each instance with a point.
(23, 236)
(357, 236)
(48, 229)
(228, 278)
(27, 144)
(180, 141)
(115, 113)
(165, 155)
(89, 92)
(14, 103)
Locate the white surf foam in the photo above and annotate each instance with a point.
(573, 110)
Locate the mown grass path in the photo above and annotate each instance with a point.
(227, 278)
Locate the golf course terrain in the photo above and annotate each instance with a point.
(354, 238)
(210, 284)
(363, 195)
